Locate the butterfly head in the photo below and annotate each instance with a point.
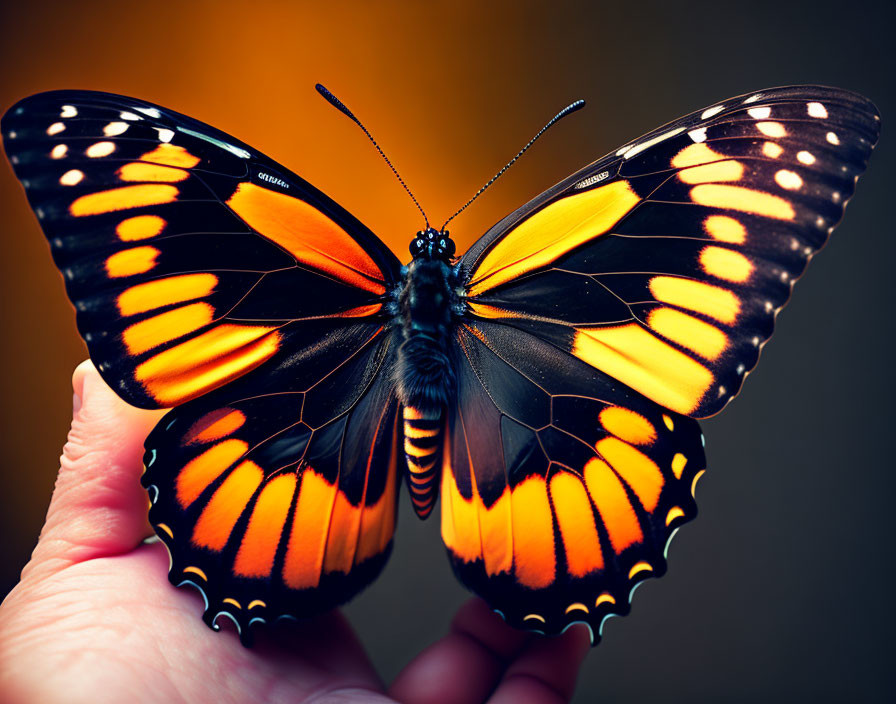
(432, 244)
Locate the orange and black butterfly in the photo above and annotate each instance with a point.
(546, 383)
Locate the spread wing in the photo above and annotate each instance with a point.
(207, 277)
(648, 283)
(187, 254)
(276, 495)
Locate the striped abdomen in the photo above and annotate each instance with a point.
(423, 437)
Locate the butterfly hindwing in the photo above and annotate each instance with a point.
(276, 495)
(182, 248)
(665, 263)
(561, 488)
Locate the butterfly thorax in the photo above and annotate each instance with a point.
(428, 306)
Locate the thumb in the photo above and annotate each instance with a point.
(98, 507)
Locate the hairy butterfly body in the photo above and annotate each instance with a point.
(545, 385)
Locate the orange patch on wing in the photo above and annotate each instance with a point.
(378, 519)
(342, 540)
(123, 198)
(201, 471)
(642, 361)
(307, 539)
(460, 523)
(535, 563)
(309, 235)
(637, 469)
(728, 170)
(218, 518)
(626, 424)
(712, 301)
(725, 229)
(577, 528)
(258, 548)
(726, 264)
(207, 361)
(694, 155)
(679, 461)
(743, 199)
(162, 328)
(470, 529)
(130, 262)
(171, 155)
(214, 425)
(140, 227)
(483, 310)
(613, 505)
(689, 332)
(552, 232)
(164, 292)
(138, 171)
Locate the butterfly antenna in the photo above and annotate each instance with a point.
(340, 106)
(571, 108)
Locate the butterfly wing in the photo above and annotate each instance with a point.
(187, 254)
(207, 277)
(659, 269)
(561, 488)
(276, 494)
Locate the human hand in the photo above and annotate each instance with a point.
(94, 619)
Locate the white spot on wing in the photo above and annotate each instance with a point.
(753, 98)
(100, 149)
(788, 179)
(55, 128)
(771, 129)
(832, 138)
(125, 115)
(152, 112)
(638, 148)
(115, 128)
(709, 112)
(805, 157)
(241, 153)
(71, 178)
(698, 135)
(59, 151)
(816, 110)
(165, 135)
(759, 113)
(68, 111)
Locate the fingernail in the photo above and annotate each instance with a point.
(76, 403)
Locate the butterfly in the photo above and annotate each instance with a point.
(546, 384)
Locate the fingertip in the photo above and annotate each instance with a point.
(476, 619)
(547, 670)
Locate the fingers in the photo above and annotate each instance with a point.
(483, 656)
(98, 506)
(546, 671)
(465, 665)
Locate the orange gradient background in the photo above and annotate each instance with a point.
(451, 90)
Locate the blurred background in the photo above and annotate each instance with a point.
(781, 589)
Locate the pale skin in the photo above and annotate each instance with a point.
(94, 618)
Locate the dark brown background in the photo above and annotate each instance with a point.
(781, 590)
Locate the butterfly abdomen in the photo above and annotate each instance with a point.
(424, 376)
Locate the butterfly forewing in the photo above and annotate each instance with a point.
(187, 254)
(665, 263)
